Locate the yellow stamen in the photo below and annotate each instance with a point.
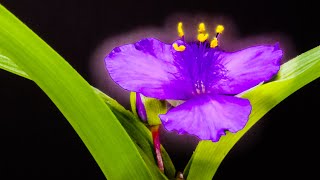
(202, 37)
(214, 43)
(178, 48)
(202, 28)
(180, 30)
(219, 29)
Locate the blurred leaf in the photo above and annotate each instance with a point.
(293, 75)
(107, 141)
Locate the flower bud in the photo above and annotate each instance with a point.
(147, 109)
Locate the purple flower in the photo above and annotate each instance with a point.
(206, 78)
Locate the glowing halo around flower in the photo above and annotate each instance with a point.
(199, 73)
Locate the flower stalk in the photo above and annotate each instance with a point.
(157, 145)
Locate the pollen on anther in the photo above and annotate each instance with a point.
(180, 30)
(219, 29)
(202, 28)
(178, 48)
(214, 42)
(202, 35)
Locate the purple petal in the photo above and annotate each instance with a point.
(247, 68)
(148, 67)
(208, 116)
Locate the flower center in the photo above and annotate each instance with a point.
(202, 36)
(201, 65)
(199, 60)
(200, 87)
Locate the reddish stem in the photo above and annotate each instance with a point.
(157, 145)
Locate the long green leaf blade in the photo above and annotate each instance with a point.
(91, 118)
(139, 133)
(292, 76)
(8, 65)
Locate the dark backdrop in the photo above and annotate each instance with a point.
(37, 142)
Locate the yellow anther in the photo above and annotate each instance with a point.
(202, 28)
(180, 30)
(214, 43)
(219, 29)
(202, 37)
(178, 48)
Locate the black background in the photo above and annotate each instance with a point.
(37, 142)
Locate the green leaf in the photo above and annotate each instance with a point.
(138, 132)
(8, 65)
(107, 141)
(293, 75)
